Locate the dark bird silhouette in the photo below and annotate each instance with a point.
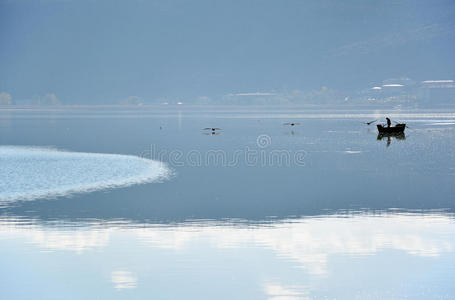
(291, 124)
(369, 123)
(212, 128)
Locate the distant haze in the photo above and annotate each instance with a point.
(95, 52)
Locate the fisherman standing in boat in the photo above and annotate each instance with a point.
(388, 122)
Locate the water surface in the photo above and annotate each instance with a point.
(325, 209)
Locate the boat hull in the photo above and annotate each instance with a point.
(399, 128)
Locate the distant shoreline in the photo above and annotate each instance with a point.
(222, 106)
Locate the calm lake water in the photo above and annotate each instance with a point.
(143, 203)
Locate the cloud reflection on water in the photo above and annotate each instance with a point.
(307, 242)
(123, 280)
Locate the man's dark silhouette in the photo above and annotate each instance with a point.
(388, 122)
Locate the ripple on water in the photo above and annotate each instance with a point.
(29, 173)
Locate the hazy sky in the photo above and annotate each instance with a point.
(91, 51)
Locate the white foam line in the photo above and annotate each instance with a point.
(352, 151)
(28, 173)
(442, 123)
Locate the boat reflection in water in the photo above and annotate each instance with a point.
(390, 136)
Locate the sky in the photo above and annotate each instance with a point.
(96, 51)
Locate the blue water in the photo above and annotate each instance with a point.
(142, 203)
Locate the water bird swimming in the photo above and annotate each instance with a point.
(291, 124)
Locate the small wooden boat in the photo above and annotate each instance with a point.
(398, 128)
